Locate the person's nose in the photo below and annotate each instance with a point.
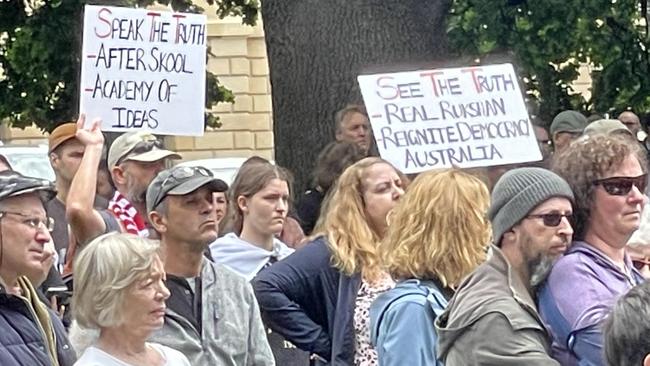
(565, 227)
(43, 235)
(636, 196)
(282, 205)
(208, 206)
(397, 192)
(163, 292)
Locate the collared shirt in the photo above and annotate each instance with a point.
(578, 296)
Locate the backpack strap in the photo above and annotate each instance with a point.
(435, 299)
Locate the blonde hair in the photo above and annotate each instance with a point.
(352, 241)
(103, 273)
(439, 229)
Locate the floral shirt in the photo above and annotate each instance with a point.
(365, 354)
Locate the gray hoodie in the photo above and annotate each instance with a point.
(492, 320)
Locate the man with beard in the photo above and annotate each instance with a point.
(608, 176)
(492, 319)
(212, 316)
(134, 159)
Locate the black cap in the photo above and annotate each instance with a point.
(179, 181)
(14, 184)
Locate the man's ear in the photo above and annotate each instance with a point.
(54, 160)
(158, 222)
(646, 360)
(117, 173)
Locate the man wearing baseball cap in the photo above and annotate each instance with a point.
(212, 315)
(31, 333)
(566, 127)
(492, 319)
(134, 159)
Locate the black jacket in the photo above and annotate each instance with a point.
(21, 340)
(311, 303)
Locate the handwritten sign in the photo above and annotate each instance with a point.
(465, 117)
(144, 70)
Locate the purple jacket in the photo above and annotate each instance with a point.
(577, 297)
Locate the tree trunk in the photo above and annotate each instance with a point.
(317, 48)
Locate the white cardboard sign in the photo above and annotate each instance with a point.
(464, 117)
(144, 70)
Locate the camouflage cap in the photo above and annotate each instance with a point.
(14, 184)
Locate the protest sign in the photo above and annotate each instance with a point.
(144, 70)
(464, 117)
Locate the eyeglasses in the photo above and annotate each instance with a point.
(176, 176)
(621, 186)
(551, 219)
(33, 222)
(141, 148)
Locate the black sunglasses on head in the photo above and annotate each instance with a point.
(176, 176)
(551, 219)
(141, 148)
(621, 186)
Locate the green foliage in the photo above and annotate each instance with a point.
(40, 53)
(549, 39)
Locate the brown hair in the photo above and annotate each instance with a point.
(251, 178)
(333, 160)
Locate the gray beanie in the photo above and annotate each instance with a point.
(518, 192)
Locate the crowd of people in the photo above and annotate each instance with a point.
(126, 260)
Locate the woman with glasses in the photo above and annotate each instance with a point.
(259, 203)
(607, 174)
(319, 297)
(120, 291)
(438, 234)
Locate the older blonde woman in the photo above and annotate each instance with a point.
(438, 234)
(318, 297)
(120, 290)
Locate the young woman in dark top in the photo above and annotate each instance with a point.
(318, 298)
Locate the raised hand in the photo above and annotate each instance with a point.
(89, 135)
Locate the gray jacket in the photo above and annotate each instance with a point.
(492, 320)
(232, 334)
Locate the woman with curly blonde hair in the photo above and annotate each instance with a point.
(319, 297)
(438, 234)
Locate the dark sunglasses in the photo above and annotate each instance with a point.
(640, 263)
(141, 148)
(551, 219)
(181, 173)
(177, 176)
(621, 186)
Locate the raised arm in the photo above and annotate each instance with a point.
(85, 222)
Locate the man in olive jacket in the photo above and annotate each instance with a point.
(492, 319)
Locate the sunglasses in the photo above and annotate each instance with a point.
(621, 186)
(640, 263)
(177, 176)
(551, 219)
(141, 148)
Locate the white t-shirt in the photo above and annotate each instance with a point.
(94, 356)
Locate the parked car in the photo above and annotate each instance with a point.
(222, 168)
(32, 161)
